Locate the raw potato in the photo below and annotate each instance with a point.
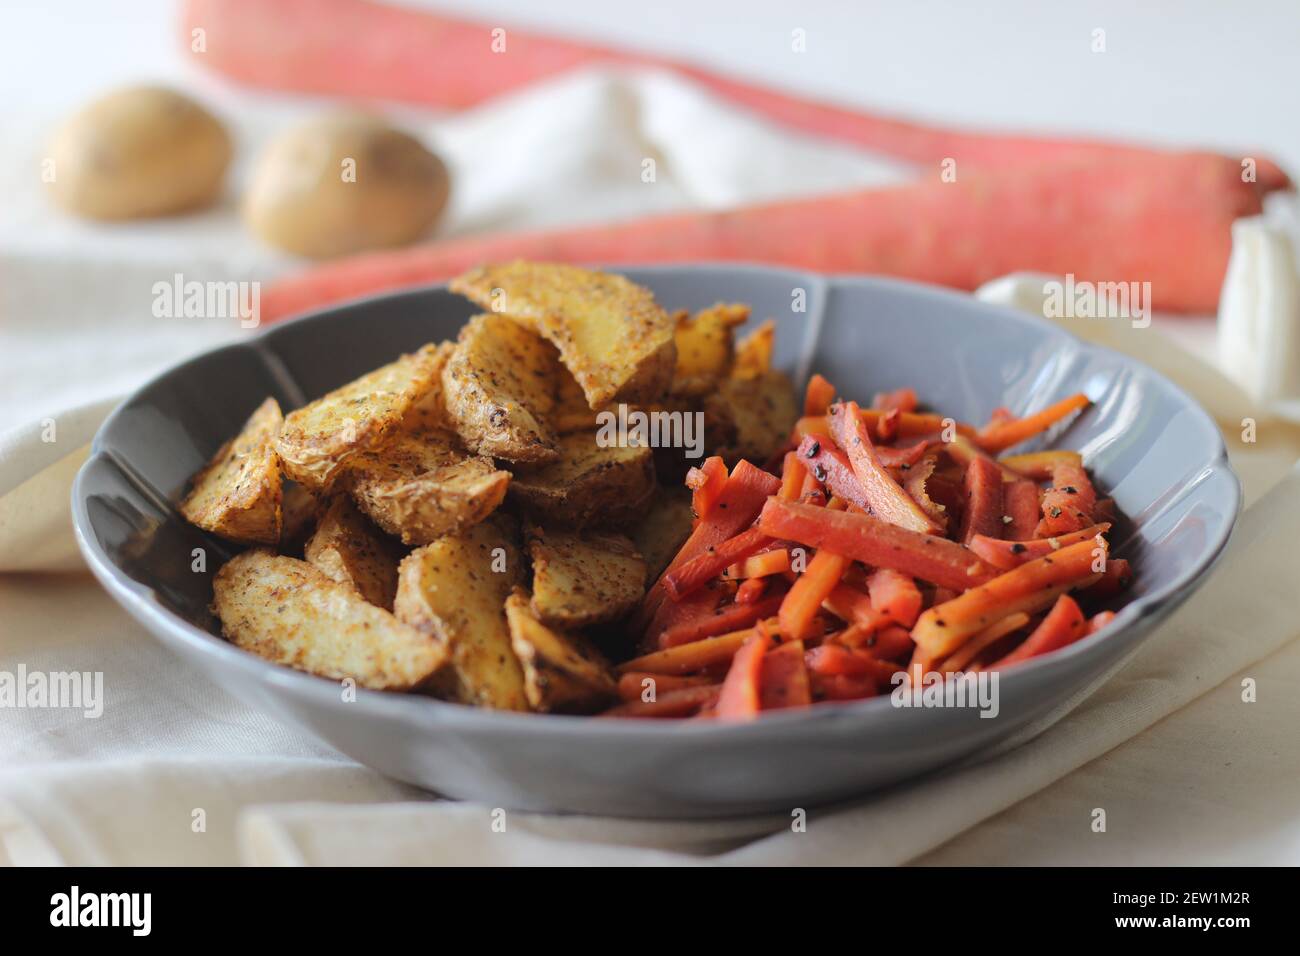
(420, 487)
(351, 550)
(754, 352)
(764, 410)
(664, 529)
(584, 579)
(291, 613)
(238, 493)
(589, 485)
(319, 439)
(344, 184)
(562, 672)
(455, 590)
(612, 335)
(705, 348)
(138, 153)
(499, 386)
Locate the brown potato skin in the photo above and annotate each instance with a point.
(588, 486)
(351, 550)
(563, 673)
(300, 201)
(238, 494)
(139, 153)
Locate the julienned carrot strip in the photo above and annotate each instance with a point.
(784, 681)
(818, 396)
(815, 425)
(830, 466)
(886, 498)
(902, 399)
(689, 658)
(674, 703)
(903, 458)
(895, 594)
(962, 657)
(963, 450)
(706, 483)
(727, 618)
(643, 685)
(1002, 436)
(751, 591)
(877, 543)
(1068, 504)
(1038, 465)
(739, 697)
(1020, 502)
(1063, 625)
(1011, 554)
(889, 643)
(945, 627)
(793, 474)
(697, 572)
(915, 484)
(775, 561)
(887, 424)
(810, 589)
(1116, 578)
(982, 486)
(853, 607)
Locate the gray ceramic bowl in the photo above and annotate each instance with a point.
(1146, 441)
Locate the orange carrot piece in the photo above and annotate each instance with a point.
(675, 703)
(902, 399)
(1117, 577)
(1068, 504)
(1063, 625)
(697, 572)
(739, 697)
(1002, 436)
(963, 450)
(815, 425)
(886, 498)
(854, 607)
(775, 561)
(1011, 554)
(895, 594)
(1020, 502)
(706, 483)
(1038, 465)
(633, 685)
(889, 643)
(830, 467)
(689, 658)
(811, 588)
(793, 474)
(784, 681)
(945, 627)
(730, 617)
(915, 484)
(982, 487)
(887, 424)
(962, 657)
(751, 591)
(904, 458)
(877, 543)
(818, 397)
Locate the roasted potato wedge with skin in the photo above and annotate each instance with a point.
(499, 385)
(754, 352)
(238, 493)
(299, 509)
(764, 411)
(589, 486)
(429, 413)
(455, 590)
(562, 672)
(583, 579)
(422, 486)
(351, 550)
(292, 613)
(705, 348)
(612, 335)
(319, 439)
(663, 529)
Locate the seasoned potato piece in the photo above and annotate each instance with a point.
(764, 411)
(612, 335)
(299, 509)
(705, 349)
(291, 613)
(588, 486)
(754, 351)
(664, 528)
(237, 494)
(420, 487)
(429, 413)
(455, 590)
(500, 385)
(572, 413)
(562, 672)
(351, 550)
(583, 579)
(317, 440)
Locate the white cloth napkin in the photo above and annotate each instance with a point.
(176, 771)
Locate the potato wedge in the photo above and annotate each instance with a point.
(589, 486)
(299, 509)
(500, 385)
(705, 348)
(663, 529)
(351, 550)
(455, 590)
(292, 613)
(612, 335)
(562, 672)
(754, 351)
(583, 579)
(238, 493)
(319, 439)
(429, 413)
(764, 411)
(420, 487)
